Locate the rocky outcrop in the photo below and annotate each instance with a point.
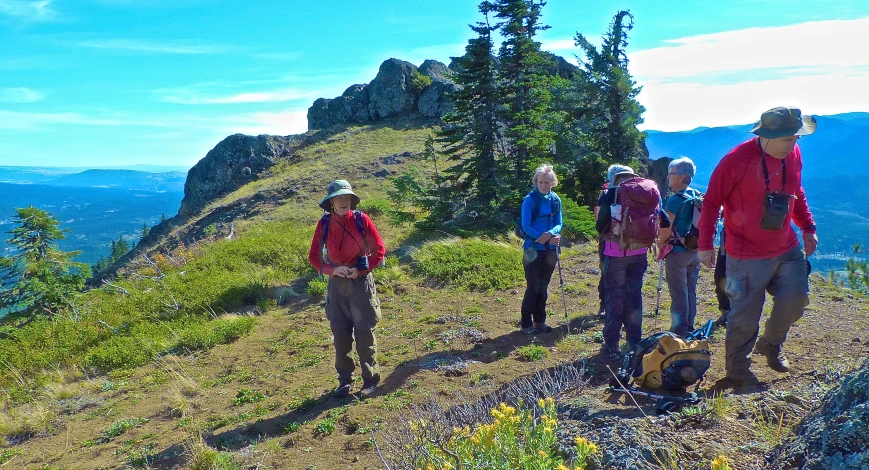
(395, 91)
(234, 162)
(433, 101)
(836, 435)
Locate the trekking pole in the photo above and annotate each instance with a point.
(660, 288)
(563, 300)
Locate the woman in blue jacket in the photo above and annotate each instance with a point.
(541, 222)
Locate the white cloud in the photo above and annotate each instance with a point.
(19, 95)
(279, 123)
(191, 96)
(29, 10)
(24, 120)
(837, 43)
(172, 47)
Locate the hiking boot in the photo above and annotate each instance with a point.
(529, 330)
(743, 379)
(774, 357)
(611, 351)
(542, 328)
(369, 389)
(342, 391)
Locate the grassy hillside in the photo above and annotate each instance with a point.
(215, 353)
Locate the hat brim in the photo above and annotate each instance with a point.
(324, 204)
(624, 173)
(809, 126)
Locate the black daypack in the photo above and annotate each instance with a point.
(535, 214)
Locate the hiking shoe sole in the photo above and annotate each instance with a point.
(529, 331)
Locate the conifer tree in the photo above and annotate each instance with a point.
(144, 232)
(607, 111)
(38, 279)
(119, 248)
(470, 136)
(526, 86)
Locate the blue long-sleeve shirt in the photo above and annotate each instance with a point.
(543, 222)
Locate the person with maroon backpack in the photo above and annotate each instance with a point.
(346, 247)
(629, 216)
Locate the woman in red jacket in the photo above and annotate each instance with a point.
(346, 247)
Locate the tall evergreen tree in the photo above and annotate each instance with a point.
(526, 86)
(470, 136)
(119, 248)
(144, 232)
(38, 280)
(614, 93)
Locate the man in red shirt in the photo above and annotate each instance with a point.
(759, 185)
(352, 249)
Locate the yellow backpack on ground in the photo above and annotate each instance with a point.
(674, 362)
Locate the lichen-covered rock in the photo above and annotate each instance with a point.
(235, 161)
(390, 92)
(834, 436)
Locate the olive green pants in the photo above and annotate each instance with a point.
(786, 279)
(353, 311)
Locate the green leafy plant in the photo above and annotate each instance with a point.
(317, 286)
(325, 426)
(472, 264)
(246, 395)
(532, 352)
(120, 427)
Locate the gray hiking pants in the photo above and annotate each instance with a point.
(682, 270)
(786, 278)
(353, 311)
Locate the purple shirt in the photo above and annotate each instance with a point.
(613, 249)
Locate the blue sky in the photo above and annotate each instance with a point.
(120, 82)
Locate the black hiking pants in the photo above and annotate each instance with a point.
(539, 266)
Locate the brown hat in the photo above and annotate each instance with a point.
(783, 121)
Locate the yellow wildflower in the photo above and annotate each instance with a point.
(550, 400)
(561, 467)
(542, 453)
(541, 403)
(581, 441)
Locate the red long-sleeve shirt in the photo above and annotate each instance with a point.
(737, 183)
(345, 246)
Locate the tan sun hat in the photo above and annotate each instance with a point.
(783, 121)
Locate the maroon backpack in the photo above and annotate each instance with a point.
(640, 201)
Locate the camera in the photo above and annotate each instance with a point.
(362, 263)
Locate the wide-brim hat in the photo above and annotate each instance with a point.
(339, 188)
(621, 174)
(783, 121)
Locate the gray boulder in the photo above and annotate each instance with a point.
(390, 93)
(434, 101)
(834, 436)
(235, 161)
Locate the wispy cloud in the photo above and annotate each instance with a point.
(813, 44)
(171, 47)
(19, 95)
(731, 77)
(279, 56)
(29, 10)
(213, 93)
(277, 123)
(25, 120)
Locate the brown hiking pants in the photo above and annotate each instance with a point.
(353, 311)
(786, 278)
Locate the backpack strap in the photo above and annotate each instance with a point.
(357, 216)
(324, 230)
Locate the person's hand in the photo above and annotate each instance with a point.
(707, 257)
(555, 240)
(810, 242)
(543, 238)
(341, 271)
(352, 273)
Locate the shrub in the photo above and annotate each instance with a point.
(532, 352)
(471, 264)
(120, 352)
(317, 286)
(514, 440)
(204, 335)
(578, 221)
(374, 207)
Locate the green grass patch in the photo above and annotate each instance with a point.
(205, 335)
(120, 427)
(246, 395)
(473, 264)
(532, 352)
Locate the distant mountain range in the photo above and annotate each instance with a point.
(96, 205)
(835, 173)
